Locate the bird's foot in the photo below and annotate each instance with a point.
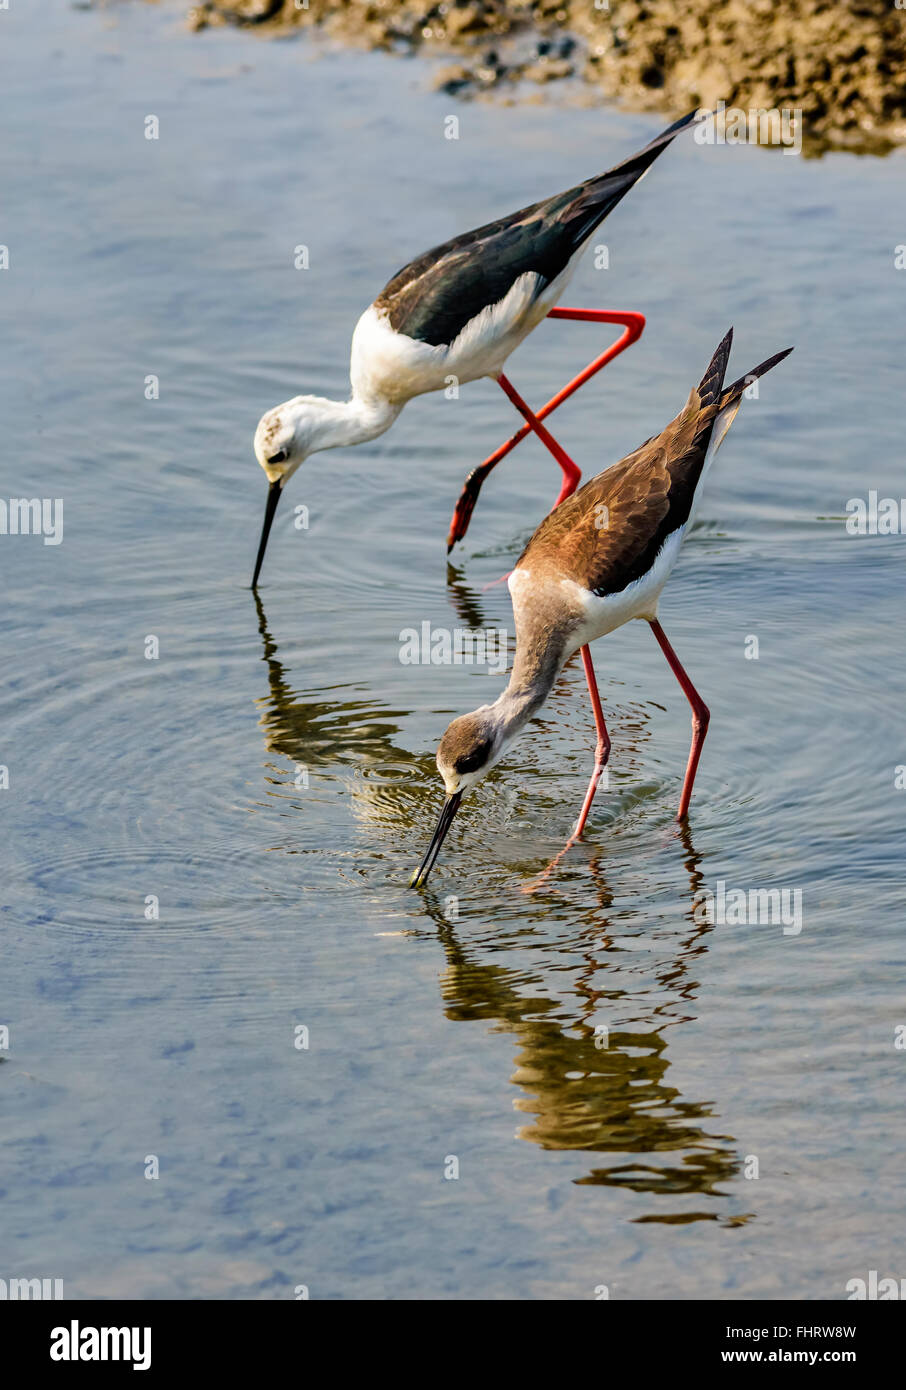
(545, 874)
(462, 513)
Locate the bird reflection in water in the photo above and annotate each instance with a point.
(323, 736)
(585, 970)
(613, 1099)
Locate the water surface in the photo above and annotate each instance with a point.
(269, 778)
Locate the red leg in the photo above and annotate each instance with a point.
(571, 474)
(602, 753)
(602, 749)
(701, 716)
(632, 325)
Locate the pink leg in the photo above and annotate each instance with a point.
(632, 329)
(701, 716)
(602, 753)
(571, 474)
(602, 749)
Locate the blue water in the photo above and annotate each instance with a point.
(269, 777)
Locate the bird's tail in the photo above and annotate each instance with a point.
(638, 163)
(709, 387)
(719, 403)
(592, 201)
(734, 392)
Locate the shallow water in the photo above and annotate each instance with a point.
(269, 777)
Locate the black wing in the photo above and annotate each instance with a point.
(435, 296)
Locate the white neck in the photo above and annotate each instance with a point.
(355, 421)
(529, 686)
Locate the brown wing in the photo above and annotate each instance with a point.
(608, 533)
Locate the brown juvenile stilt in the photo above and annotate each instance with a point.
(598, 560)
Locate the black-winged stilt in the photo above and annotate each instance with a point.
(599, 559)
(457, 312)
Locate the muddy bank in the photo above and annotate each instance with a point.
(842, 63)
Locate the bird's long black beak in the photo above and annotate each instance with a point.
(445, 820)
(273, 497)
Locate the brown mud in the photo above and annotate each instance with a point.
(840, 63)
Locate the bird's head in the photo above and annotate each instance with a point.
(284, 438)
(468, 750)
(285, 435)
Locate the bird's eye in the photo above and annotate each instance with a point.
(278, 457)
(471, 762)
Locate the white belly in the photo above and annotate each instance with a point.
(396, 367)
(640, 600)
(637, 600)
(599, 615)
